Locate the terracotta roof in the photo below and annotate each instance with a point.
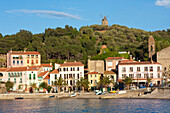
(47, 76)
(137, 63)
(46, 65)
(94, 73)
(12, 69)
(127, 61)
(103, 46)
(109, 72)
(55, 71)
(42, 74)
(111, 58)
(3, 69)
(69, 64)
(25, 52)
(32, 68)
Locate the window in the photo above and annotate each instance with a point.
(32, 62)
(18, 74)
(70, 82)
(17, 62)
(13, 62)
(14, 80)
(138, 75)
(67, 76)
(8, 74)
(28, 56)
(151, 75)
(158, 68)
(91, 75)
(21, 74)
(67, 69)
(34, 76)
(151, 68)
(73, 69)
(36, 56)
(28, 62)
(21, 62)
(131, 75)
(64, 69)
(77, 68)
(32, 56)
(30, 76)
(146, 75)
(64, 76)
(37, 61)
(91, 81)
(123, 76)
(14, 74)
(109, 63)
(95, 75)
(95, 81)
(138, 69)
(20, 80)
(159, 75)
(47, 69)
(131, 69)
(123, 69)
(55, 76)
(73, 75)
(60, 75)
(78, 76)
(8, 79)
(145, 68)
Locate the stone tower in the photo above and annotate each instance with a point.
(104, 21)
(151, 46)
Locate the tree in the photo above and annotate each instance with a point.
(43, 85)
(9, 85)
(84, 83)
(33, 86)
(104, 81)
(127, 81)
(148, 81)
(59, 83)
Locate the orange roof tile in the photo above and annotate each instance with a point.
(111, 58)
(109, 72)
(46, 65)
(55, 71)
(12, 69)
(42, 74)
(137, 63)
(25, 52)
(3, 69)
(68, 64)
(47, 76)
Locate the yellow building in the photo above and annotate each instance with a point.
(93, 78)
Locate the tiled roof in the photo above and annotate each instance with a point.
(127, 61)
(47, 76)
(109, 72)
(94, 73)
(111, 58)
(32, 68)
(46, 65)
(137, 63)
(68, 64)
(3, 69)
(42, 74)
(55, 71)
(12, 69)
(25, 52)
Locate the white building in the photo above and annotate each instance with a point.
(140, 71)
(71, 72)
(47, 67)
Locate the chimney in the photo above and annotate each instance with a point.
(131, 57)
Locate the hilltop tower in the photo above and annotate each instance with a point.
(151, 46)
(104, 21)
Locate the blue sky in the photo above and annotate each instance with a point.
(37, 15)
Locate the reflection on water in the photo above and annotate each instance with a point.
(85, 105)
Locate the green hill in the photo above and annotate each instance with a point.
(68, 43)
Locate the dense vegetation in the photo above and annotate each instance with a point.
(59, 44)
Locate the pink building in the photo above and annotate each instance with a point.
(23, 58)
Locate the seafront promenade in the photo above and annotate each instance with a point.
(136, 94)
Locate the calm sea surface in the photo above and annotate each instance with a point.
(84, 105)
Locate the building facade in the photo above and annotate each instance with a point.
(96, 65)
(140, 71)
(23, 58)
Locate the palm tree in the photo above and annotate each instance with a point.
(127, 81)
(104, 81)
(148, 81)
(59, 83)
(84, 83)
(33, 86)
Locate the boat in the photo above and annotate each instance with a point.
(19, 98)
(99, 93)
(112, 92)
(73, 95)
(51, 96)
